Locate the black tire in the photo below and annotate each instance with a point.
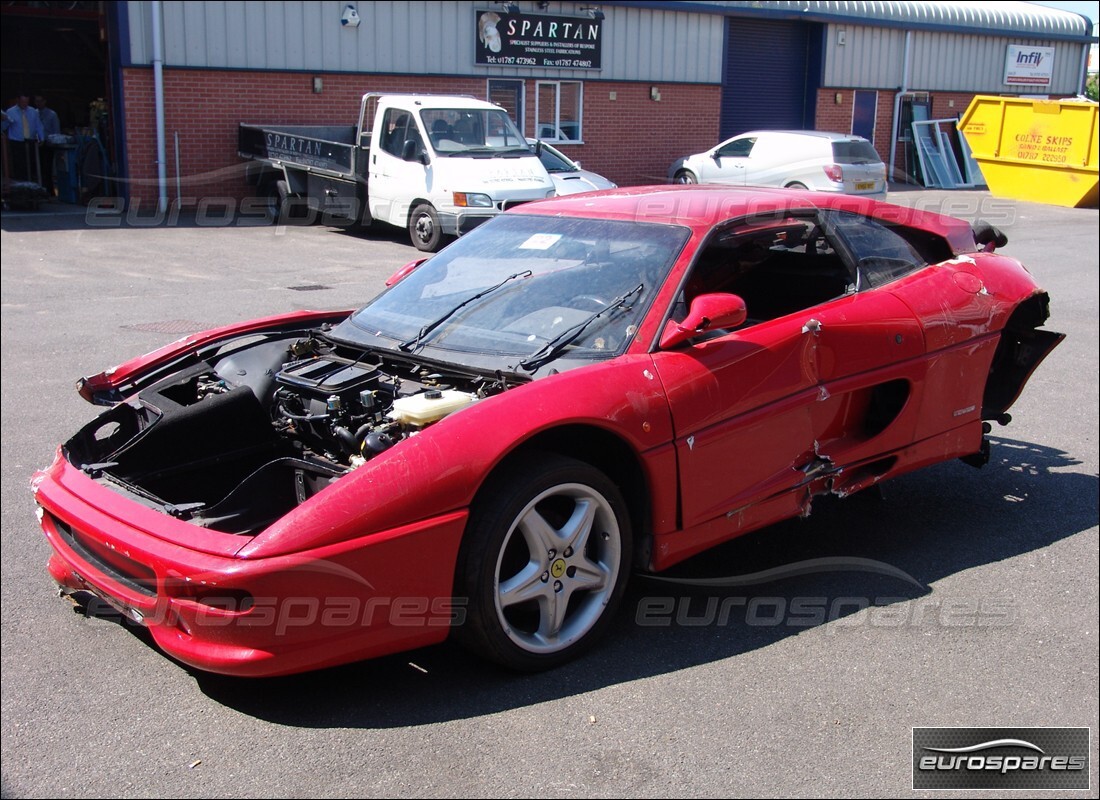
(424, 230)
(275, 195)
(796, 185)
(283, 208)
(544, 563)
(685, 176)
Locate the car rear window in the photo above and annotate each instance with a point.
(855, 153)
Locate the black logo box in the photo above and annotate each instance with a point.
(1001, 758)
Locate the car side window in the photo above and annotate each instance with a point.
(738, 148)
(778, 266)
(880, 255)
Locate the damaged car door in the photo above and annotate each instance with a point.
(773, 412)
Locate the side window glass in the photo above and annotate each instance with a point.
(880, 254)
(777, 267)
(394, 130)
(738, 148)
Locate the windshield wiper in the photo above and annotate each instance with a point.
(431, 326)
(553, 348)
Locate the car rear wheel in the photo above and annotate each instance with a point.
(424, 228)
(685, 176)
(544, 564)
(796, 185)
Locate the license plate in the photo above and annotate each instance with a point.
(864, 186)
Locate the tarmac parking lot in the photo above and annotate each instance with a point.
(805, 685)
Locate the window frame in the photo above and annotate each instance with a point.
(557, 117)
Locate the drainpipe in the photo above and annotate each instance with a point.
(897, 102)
(1083, 72)
(158, 99)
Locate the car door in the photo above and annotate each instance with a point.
(727, 162)
(765, 414)
(392, 177)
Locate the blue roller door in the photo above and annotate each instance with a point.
(773, 69)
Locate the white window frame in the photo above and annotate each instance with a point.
(540, 119)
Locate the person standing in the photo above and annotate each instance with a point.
(24, 130)
(51, 126)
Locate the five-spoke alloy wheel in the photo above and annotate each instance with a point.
(544, 563)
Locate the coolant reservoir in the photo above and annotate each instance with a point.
(428, 407)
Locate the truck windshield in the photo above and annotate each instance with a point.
(472, 132)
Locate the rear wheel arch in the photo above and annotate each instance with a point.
(1022, 347)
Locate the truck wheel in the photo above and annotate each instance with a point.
(285, 208)
(424, 228)
(275, 195)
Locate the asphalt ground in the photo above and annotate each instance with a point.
(805, 685)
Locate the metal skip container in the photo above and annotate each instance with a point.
(1044, 151)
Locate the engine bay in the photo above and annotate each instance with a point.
(237, 440)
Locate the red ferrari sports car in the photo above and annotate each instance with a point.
(574, 391)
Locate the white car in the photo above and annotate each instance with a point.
(567, 175)
(817, 160)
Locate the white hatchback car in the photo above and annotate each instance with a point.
(817, 160)
(567, 175)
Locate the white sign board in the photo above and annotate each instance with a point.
(1027, 65)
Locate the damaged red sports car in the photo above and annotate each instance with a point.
(577, 390)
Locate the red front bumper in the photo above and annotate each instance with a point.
(382, 593)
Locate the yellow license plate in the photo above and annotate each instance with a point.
(863, 186)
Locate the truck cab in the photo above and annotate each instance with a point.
(437, 165)
(443, 165)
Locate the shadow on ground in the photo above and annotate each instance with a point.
(868, 550)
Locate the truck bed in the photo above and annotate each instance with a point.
(328, 148)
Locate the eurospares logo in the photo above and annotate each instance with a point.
(1001, 758)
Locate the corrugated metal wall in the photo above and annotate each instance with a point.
(418, 38)
(871, 57)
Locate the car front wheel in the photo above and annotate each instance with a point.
(424, 228)
(685, 176)
(544, 564)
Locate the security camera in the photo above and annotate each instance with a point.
(350, 17)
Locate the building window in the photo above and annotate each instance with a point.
(508, 94)
(558, 111)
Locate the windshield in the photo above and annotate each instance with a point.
(554, 161)
(518, 283)
(473, 132)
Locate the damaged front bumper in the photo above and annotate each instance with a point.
(213, 610)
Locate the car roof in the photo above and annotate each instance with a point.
(831, 135)
(703, 206)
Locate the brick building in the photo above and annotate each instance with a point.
(625, 87)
